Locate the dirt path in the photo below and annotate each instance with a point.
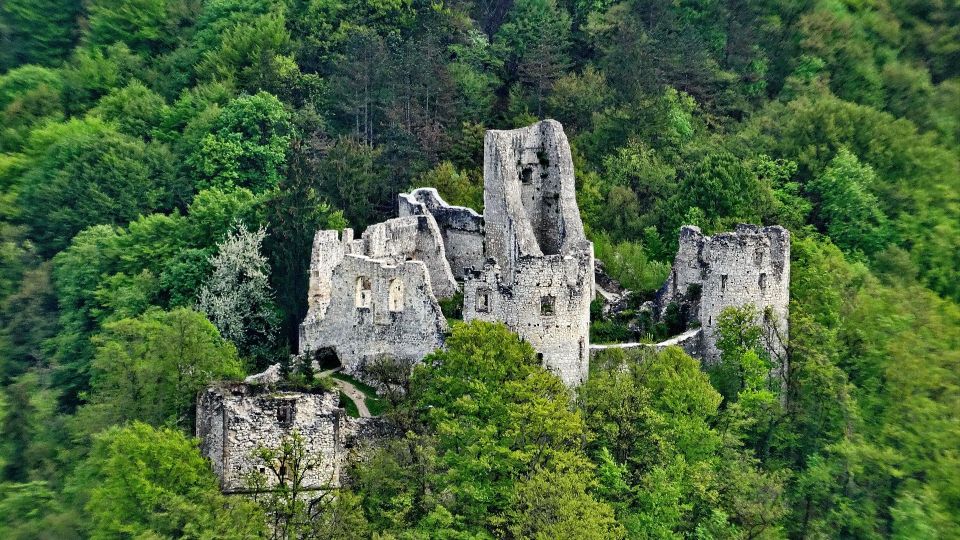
(350, 391)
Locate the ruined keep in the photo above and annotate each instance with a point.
(537, 276)
(750, 266)
(525, 262)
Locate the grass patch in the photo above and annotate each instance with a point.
(349, 406)
(375, 404)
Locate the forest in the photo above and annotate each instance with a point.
(164, 165)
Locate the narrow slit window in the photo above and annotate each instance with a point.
(762, 282)
(723, 282)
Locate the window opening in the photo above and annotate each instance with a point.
(547, 305)
(483, 302)
(364, 292)
(285, 413)
(395, 298)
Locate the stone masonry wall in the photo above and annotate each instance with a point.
(412, 238)
(548, 305)
(750, 266)
(377, 309)
(233, 420)
(461, 228)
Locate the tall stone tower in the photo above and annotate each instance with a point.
(538, 275)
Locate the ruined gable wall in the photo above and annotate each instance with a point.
(361, 333)
(412, 238)
(559, 334)
(251, 420)
(461, 227)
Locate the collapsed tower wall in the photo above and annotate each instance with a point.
(750, 266)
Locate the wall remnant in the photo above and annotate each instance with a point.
(234, 420)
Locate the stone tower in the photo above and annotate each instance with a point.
(538, 274)
(750, 266)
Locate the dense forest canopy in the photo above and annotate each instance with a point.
(165, 163)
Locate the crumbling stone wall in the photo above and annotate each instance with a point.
(233, 420)
(375, 308)
(412, 238)
(539, 276)
(750, 266)
(461, 228)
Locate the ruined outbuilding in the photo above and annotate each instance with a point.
(234, 420)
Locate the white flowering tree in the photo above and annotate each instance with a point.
(237, 297)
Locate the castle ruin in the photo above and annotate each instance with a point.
(525, 262)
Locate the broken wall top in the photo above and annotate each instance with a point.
(530, 206)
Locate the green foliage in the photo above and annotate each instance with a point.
(37, 32)
(85, 173)
(460, 188)
(849, 212)
(150, 482)
(135, 134)
(150, 368)
(137, 110)
(144, 25)
(485, 395)
(246, 146)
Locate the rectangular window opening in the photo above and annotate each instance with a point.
(285, 413)
(483, 302)
(547, 305)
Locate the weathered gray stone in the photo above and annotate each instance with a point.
(539, 278)
(462, 228)
(370, 307)
(234, 420)
(750, 266)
